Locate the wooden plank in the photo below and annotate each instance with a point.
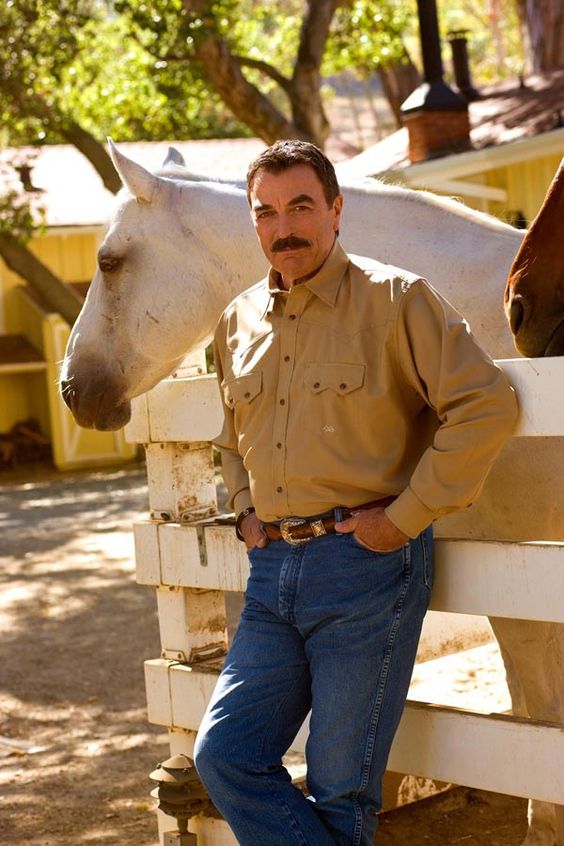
(147, 554)
(137, 430)
(17, 369)
(471, 576)
(536, 382)
(185, 410)
(190, 410)
(181, 479)
(192, 623)
(492, 752)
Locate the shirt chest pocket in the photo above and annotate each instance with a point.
(337, 377)
(242, 389)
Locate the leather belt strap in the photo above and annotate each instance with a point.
(296, 530)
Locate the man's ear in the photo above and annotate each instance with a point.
(337, 210)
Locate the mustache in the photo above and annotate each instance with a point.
(290, 243)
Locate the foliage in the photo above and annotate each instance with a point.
(22, 214)
(80, 61)
(368, 35)
(139, 97)
(495, 45)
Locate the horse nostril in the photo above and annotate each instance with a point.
(516, 315)
(66, 391)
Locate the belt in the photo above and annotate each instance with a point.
(296, 530)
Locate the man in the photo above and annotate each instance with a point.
(358, 408)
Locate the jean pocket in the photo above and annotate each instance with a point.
(427, 549)
(360, 545)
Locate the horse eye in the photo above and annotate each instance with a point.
(109, 264)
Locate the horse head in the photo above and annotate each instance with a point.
(534, 294)
(154, 296)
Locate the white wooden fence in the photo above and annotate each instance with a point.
(193, 562)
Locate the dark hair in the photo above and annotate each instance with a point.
(288, 153)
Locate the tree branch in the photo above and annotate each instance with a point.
(34, 106)
(223, 71)
(267, 70)
(59, 297)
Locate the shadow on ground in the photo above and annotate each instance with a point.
(76, 630)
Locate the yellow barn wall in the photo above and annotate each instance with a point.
(23, 397)
(72, 257)
(526, 184)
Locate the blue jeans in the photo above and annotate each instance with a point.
(327, 626)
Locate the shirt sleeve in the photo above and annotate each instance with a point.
(476, 407)
(235, 475)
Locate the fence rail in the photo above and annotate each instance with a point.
(195, 564)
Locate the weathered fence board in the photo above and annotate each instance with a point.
(193, 564)
(494, 752)
(471, 577)
(189, 409)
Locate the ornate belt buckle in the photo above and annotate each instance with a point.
(289, 523)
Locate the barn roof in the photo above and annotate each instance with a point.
(509, 112)
(73, 194)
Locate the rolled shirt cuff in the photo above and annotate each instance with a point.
(409, 514)
(242, 500)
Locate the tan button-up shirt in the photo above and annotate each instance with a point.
(358, 383)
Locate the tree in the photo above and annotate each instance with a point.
(271, 84)
(21, 216)
(59, 82)
(543, 21)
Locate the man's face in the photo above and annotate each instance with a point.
(295, 228)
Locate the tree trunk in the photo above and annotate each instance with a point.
(223, 71)
(398, 81)
(59, 297)
(16, 256)
(543, 21)
(252, 108)
(94, 152)
(307, 106)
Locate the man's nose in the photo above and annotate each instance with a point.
(284, 226)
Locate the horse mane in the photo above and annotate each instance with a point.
(368, 185)
(179, 173)
(451, 205)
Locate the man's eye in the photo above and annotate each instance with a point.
(263, 215)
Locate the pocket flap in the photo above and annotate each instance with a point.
(242, 388)
(341, 378)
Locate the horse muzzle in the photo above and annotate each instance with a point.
(97, 405)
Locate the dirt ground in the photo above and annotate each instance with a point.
(75, 746)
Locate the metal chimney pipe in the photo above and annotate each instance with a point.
(459, 45)
(430, 41)
(434, 94)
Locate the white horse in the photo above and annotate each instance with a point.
(178, 250)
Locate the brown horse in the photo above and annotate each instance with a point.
(534, 294)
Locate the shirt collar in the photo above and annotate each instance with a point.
(325, 283)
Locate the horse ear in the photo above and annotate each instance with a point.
(174, 157)
(138, 181)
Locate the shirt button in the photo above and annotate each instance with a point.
(279, 446)
(279, 489)
(342, 386)
(317, 384)
(248, 393)
(286, 358)
(292, 317)
(282, 402)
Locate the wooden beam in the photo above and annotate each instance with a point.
(489, 751)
